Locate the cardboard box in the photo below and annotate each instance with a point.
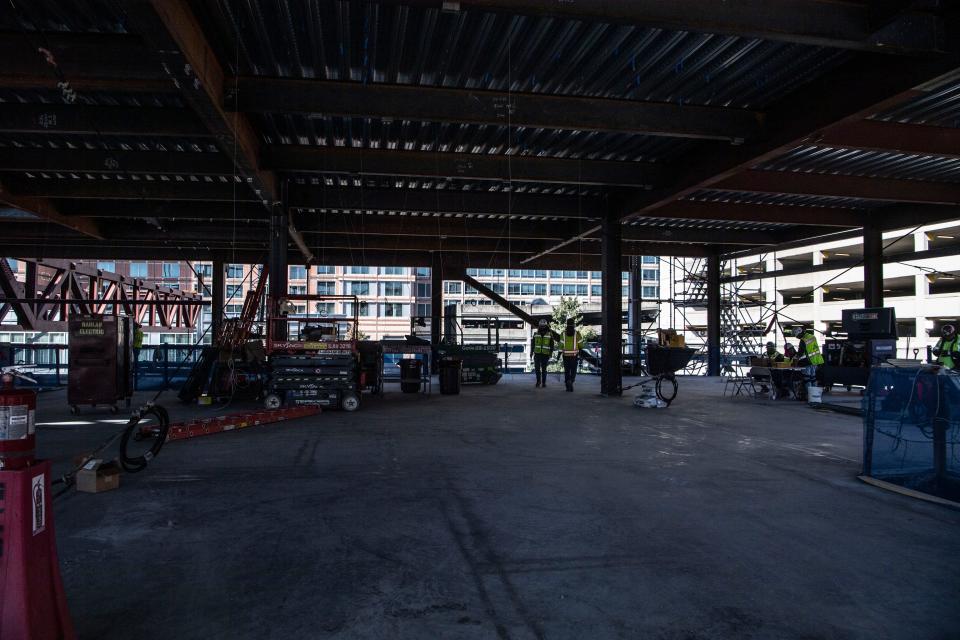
(678, 341)
(97, 476)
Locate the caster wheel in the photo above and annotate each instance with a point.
(350, 402)
(74, 410)
(272, 401)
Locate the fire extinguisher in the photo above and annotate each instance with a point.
(17, 429)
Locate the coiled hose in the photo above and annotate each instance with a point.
(135, 464)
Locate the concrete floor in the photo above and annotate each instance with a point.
(508, 512)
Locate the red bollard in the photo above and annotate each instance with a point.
(32, 602)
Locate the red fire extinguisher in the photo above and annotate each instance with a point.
(17, 429)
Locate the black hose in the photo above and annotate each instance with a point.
(139, 463)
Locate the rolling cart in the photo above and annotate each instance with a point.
(661, 366)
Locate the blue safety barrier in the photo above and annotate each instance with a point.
(911, 429)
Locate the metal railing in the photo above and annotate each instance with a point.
(163, 366)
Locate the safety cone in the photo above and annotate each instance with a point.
(32, 602)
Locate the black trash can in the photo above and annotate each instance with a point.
(450, 369)
(410, 375)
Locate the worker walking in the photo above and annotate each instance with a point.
(947, 349)
(542, 346)
(572, 343)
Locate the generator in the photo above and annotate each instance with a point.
(871, 341)
(100, 353)
(313, 359)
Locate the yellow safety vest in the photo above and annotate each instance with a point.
(947, 347)
(812, 348)
(137, 338)
(543, 343)
(572, 344)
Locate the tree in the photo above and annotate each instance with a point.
(567, 308)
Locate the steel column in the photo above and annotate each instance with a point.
(873, 264)
(633, 317)
(436, 299)
(278, 265)
(713, 315)
(612, 308)
(217, 289)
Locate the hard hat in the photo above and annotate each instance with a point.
(948, 330)
(542, 323)
(770, 345)
(798, 331)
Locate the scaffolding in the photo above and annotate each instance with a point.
(746, 315)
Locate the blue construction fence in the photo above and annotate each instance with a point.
(911, 429)
(163, 366)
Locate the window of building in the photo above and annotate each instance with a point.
(581, 275)
(423, 310)
(393, 288)
(649, 260)
(365, 310)
(472, 272)
(423, 290)
(556, 289)
(234, 270)
(234, 291)
(297, 289)
(514, 289)
(497, 287)
(107, 266)
(452, 287)
(650, 292)
(298, 273)
(232, 310)
(649, 274)
(514, 273)
(393, 271)
(325, 270)
(596, 290)
(326, 287)
(358, 270)
(393, 310)
(358, 288)
(422, 272)
(596, 275)
(171, 269)
(139, 270)
(325, 308)
(556, 274)
(14, 264)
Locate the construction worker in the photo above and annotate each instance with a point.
(542, 346)
(947, 348)
(137, 340)
(772, 354)
(789, 351)
(572, 343)
(808, 354)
